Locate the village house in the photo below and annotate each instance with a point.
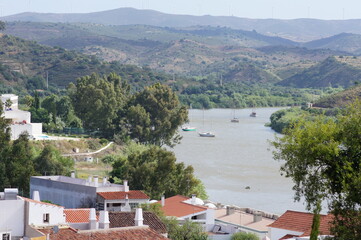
(193, 209)
(20, 120)
(232, 219)
(72, 192)
(31, 219)
(293, 225)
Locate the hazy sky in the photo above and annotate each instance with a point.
(284, 9)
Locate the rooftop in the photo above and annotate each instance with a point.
(78, 181)
(39, 202)
(130, 233)
(133, 194)
(302, 222)
(175, 206)
(243, 219)
(126, 219)
(77, 215)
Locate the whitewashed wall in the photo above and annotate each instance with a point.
(37, 210)
(12, 217)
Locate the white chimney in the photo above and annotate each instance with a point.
(138, 217)
(104, 220)
(93, 224)
(72, 174)
(125, 184)
(36, 196)
(96, 181)
(127, 207)
(193, 201)
(162, 200)
(104, 181)
(89, 179)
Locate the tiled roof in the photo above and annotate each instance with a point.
(80, 215)
(126, 219)
(174, 206)
(134, 194)
(133, 233)
(39, 202)
(288, 236)
(302, 222)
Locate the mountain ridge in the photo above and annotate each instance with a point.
(301, 30)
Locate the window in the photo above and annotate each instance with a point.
(133, 205)
(46, 218)
(117, 204)
(6, 236)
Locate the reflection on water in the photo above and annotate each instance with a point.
(239, 156)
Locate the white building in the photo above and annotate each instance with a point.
(72, 192)
(20, 120)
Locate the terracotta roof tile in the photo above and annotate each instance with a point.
(302, 222)
(174, 206)
(39, 202)
(134, 194)
(126, 219)
(134, 233)
(80, 215)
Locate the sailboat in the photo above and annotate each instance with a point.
(234, 119)
(206, 133)
(188, 128)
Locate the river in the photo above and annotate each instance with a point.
(236, 166)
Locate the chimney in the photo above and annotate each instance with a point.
(93, 224)
(138, 217)
(89, 179)
(193, 201)
(72, 174)
(104, 181)
(257, 216)
(125, 184)
(96, 181)
(162, 200)
(36, 196)
(127, 207)
(230, 210)
(104, 220)
(11, 193)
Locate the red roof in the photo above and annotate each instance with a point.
(288, 236)
(302, 222)
(80, 215)
(39, 202)
(138, 233)
(134, 194)
(174, 206)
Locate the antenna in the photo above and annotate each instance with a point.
(47, 80)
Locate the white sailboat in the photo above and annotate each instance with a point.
(189, 128)
(206, 133)
(234, 119)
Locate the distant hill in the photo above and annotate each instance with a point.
(346, 42)
(297, 29)
(340, 99)
(24, 64)
(330, 72)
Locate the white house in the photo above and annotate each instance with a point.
(295, 225)
(20, 120)
(192, 209)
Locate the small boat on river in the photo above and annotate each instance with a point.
(188, 129)
(206, 134)
(253, 114)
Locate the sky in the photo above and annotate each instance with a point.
(280, 9)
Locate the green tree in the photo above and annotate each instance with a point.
(20, 164)
(50, 162)
(187, 231)
(2, 25)
(155, 116)
(156, 172)
(244, 236)
(97, 101)
(5, 149)
(323, 158)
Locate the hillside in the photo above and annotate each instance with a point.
(296, 30)
(340, 99)
(346, 42)
(25, 64)
(330, 72)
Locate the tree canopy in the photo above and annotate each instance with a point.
(154, 116)
(323, 158)
(156, 172)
